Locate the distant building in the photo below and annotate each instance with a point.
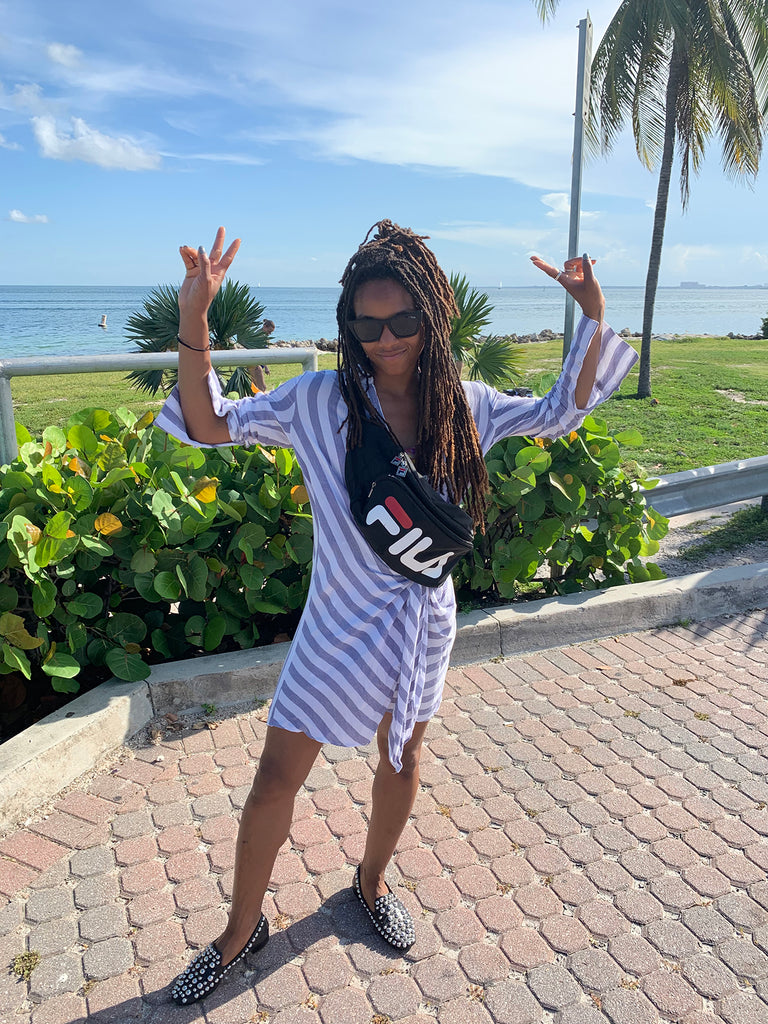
(691, 284)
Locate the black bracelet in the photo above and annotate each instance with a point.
(206, 349)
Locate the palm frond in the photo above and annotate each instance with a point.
(648, 103)
(155, 329)
(737, 90)
(234, 319)
(475, 311)
(150, 381)
(546, 8)
(235, 313)
(722, 46)
(629, 77)
(239, 381)
(497, 361)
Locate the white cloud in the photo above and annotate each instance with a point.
(136, 80)
(490, 235)
(560, 206)
(686, 259)
(753, 256)
(462, 106)
(28, 98)
(437, 89)
(22, 218)
(559, 203)
(5, 144)
(64, 53)
(91, 146)
(223, 158)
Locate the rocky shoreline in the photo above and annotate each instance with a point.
(331, 344)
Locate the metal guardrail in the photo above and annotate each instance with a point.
(694, 490)
(9, 368)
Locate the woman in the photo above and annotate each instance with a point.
(371, 651)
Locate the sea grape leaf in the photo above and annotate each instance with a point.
(63, 665)
(86, 605)
(126, 665)
(43, 597)
(214, 632)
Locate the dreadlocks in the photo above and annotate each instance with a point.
(448, 443)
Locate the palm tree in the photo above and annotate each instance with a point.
(497, 361)
(679, 71)
(235, 320)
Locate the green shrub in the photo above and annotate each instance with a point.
(564, 514)
(764, 328)
(121, 547)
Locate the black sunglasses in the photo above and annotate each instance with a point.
(402, 325)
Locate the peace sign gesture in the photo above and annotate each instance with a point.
(204, 274)
(579, 280)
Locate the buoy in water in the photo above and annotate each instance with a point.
(103, 321)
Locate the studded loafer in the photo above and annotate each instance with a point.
(203, 974)
(390, 918)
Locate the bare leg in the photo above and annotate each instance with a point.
(393, 797)
(257, 376)
(264, 825)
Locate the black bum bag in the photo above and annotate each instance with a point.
(407, 523)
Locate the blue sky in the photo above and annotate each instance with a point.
(128, 129)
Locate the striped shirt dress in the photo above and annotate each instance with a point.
(371, 641)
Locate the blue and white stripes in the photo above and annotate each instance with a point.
(371, 641)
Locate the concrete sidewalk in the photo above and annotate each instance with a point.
(590, 844)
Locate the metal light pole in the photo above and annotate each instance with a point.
(582, 108)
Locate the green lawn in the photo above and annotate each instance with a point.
(692, 424)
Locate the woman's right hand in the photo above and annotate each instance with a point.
(204, 274)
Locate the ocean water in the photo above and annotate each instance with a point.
(47, 321)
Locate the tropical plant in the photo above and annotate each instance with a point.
(121, 547)
(497, 361)
(679, 71)
(564, 517)
(235, 320)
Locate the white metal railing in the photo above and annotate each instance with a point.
(34, 367)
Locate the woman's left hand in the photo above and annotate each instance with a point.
(582, 285)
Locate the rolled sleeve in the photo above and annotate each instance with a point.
(498, 415)
(263, 418)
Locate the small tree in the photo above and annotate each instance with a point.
(497, 361)
(235, 320)
(764, 328)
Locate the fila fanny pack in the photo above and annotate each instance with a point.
(415, 531)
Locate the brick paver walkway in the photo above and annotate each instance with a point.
(590, 844)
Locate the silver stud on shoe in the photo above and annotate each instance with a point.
(389, 916)
(204, 973)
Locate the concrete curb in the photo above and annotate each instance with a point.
(590, 616)
(38, 763)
